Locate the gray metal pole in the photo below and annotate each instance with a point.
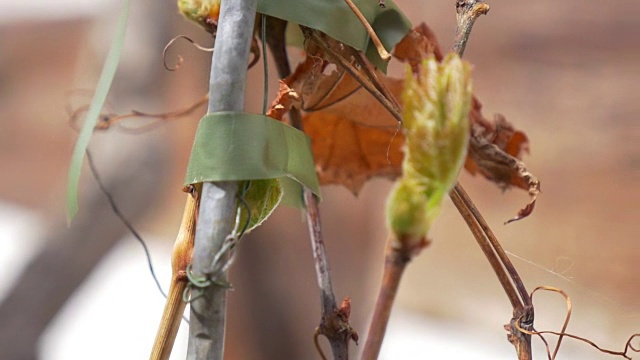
(217, 205)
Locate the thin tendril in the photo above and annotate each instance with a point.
(180, 58)
(265, 64)
(395, 134)
(124, 220)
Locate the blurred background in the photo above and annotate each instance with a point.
(565, 72)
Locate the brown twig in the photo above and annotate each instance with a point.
(485, 245)
(467, 11)
(522, 308)
(319, 254)
(161, 116)
(108, 119)
(396, 261)
(334, 321)
(384, 54)
(181, 257)
(521, 312)
(370, 72)
(180, 58)
(495, 245)
(397, 257)
(349, 68)
(276, 40)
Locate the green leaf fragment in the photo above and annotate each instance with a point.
(335, 18)
(100, 96)
(406, 210)
(436, 120)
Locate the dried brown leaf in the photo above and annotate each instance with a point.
(349, 154)
(355, 138)
(285, 100)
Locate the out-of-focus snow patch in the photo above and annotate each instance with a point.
(19, 231)
(412, 336)
(116, 310)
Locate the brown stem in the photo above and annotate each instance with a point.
(107, 120)
(394, 265)
(181, 257)
(332, 326)
(520, 339)
(334, 322)
(349, 68)
(467, 11)
(495, 244)
(370, 72)
(522, 314)
(275, 38)
(384, 54)
(485, 245)
(319, 253)
(170, 322)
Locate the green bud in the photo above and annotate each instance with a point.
(203, 12)
(406, 210)
(436, 103)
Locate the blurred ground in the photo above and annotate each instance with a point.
(564, 72)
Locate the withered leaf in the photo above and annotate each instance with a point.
(348, 153)
(285, 100)
(354, 137)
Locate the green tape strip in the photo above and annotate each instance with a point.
(335, 18)
(231, 146)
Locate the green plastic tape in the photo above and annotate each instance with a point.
(235, 146)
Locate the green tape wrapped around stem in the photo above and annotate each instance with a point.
(235, 146)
